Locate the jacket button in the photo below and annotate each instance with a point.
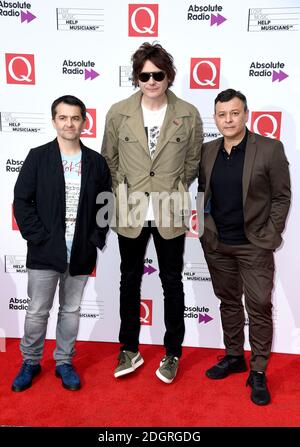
(178, 140)
(152, 174)
(146, 194)
(126, 139)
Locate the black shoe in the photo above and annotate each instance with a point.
(229, 364)
(260, 394)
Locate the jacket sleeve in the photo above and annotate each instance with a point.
(280, 187)
(191, 166)
(98, 236)
(25, 209)
(109, 148)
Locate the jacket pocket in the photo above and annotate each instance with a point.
(179, 138)
(127, 138)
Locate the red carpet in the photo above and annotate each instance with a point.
(140, 399)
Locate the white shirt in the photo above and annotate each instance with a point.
(153, 120)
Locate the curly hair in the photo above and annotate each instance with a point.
(158, 56)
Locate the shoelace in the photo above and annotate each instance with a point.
(68, 369)
(259, 380)
(223, 359)
(27, 368)
(169, 362)
(122, 358)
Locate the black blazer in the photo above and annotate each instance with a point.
(40, 208)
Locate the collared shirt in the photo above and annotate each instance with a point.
(227, 193)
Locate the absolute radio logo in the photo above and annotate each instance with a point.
(272, 69)
(79, 68)
(146, 312)
(17, 9)
(18, 303)
(143, 20)
(20, 69)
(199, 313)
(267, 124)
(148, 267)
(13, 166)
(90, 130)
(205, 73)
(208, 13)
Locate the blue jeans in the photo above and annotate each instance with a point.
(41, 290)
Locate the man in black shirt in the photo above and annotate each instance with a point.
(246, 185)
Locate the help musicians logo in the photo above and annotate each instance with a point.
(80, 19)
(125, 76)
(210, 130)
(15, 264)
(22, 122)
(274, 19)
(196, 271)
(18, 9)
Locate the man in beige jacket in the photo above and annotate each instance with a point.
(152, 143)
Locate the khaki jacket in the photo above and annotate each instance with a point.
(266, 191)
(172, 169)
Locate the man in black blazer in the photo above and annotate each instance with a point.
(246, 184)
(55, 208)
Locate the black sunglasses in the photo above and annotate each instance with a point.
(156, 75)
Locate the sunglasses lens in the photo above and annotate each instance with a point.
(157, 76)
(144, 77)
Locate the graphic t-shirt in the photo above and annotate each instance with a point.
(153, 120)
(72, 173)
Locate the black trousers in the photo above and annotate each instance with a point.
(170, 261)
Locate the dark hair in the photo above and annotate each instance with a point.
(230, 93)
(158, 56)
(71, 101)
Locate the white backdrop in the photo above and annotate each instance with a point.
(83, 47)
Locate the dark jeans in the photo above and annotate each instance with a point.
(170, 261)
